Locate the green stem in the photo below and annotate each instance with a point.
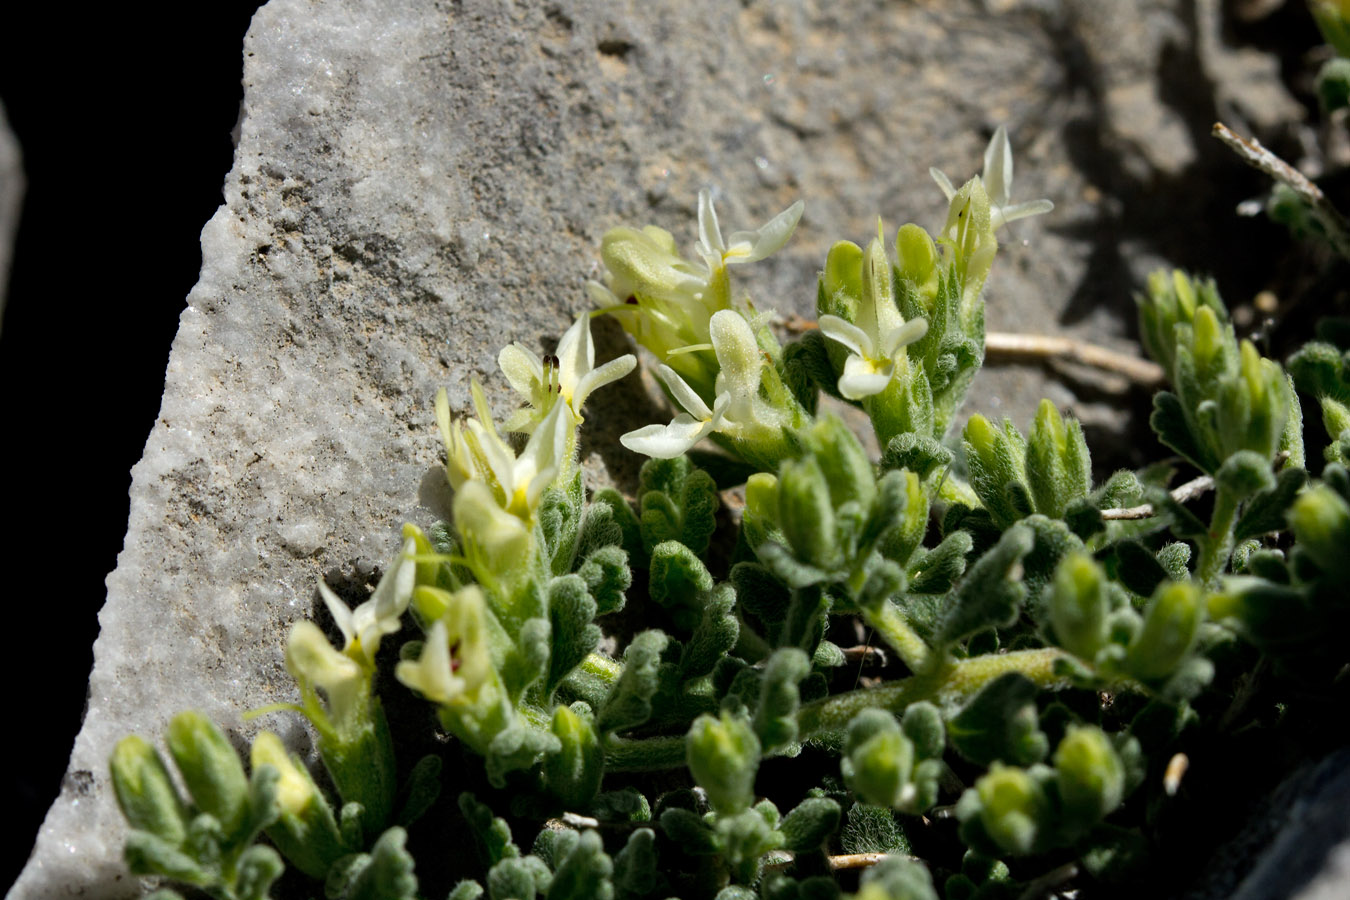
(1218, 544)
(645, 755)
(891, 624)
(950, 683)
(602, 667)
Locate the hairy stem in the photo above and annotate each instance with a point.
(1218, 544)
(890, 623)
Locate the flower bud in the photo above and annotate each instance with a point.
(878, 760)
(1012, 808)
(918, 261)
(1169, 630)
(1090, 774)
(806, 513)
(211, 769)
(841, 282)
(1320, 518)
(1079, 606)
(145, 792)
(723, 755)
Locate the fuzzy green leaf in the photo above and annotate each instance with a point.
(714, 636)
(584, 873)
(779, 698)
(679, 503)
(607, 577)
(1000, 723)
(628, 704)
(570, 610)
(991, 593)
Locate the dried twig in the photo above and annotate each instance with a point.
(857, 860)
(1008, 345)
(1043, 346)
(1187, 492)
(1250, 151)
(1049, 882)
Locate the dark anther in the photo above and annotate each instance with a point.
(631, 301)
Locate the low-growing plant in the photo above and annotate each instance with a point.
(1042, 646)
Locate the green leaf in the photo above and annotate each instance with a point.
(466, 890)
(807, 370)
(996, 459)
(211, 770)
(622, 515)
(571, 611)
(584, 873)
(628, 704)
(560, 522)
(689, 832)
(255, 872)
(723, 754)
(1000, 723)
(149, 854)
(760, 594)
(607, 577)
(679, 581)
(513, 879)
(679, 503)
(1169, 422)
(493, 834)
(1170, 626)
(779, 698)
(918, 453)
(573, 773)
(518, 746)
(922, 724)
(898, 878)
(714, 636)
(872, 829)
(937, 570)
(878, 759)
(145, 792)
(810, 824)
(991, 593)
(421, 791)
(635, 866)
(1138, 569)
(1090, 776)
(385, 873)
(1266, 512)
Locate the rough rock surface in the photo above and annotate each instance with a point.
(11, 200)
(418, 183)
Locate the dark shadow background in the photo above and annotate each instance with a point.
(124, 115)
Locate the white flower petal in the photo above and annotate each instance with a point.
(1002, 215)
(770, 238)
(667, 441)
(862, 378)
(341, 614)
(709, 232)
(596, 378)
(943, 182)
(846, 333)
(393, 593)
(522, 368)
(906, 334)
(683, 393)
(998, 168)
(576, 352)
(738, 353)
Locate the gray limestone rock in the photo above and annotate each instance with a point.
(418, 183)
